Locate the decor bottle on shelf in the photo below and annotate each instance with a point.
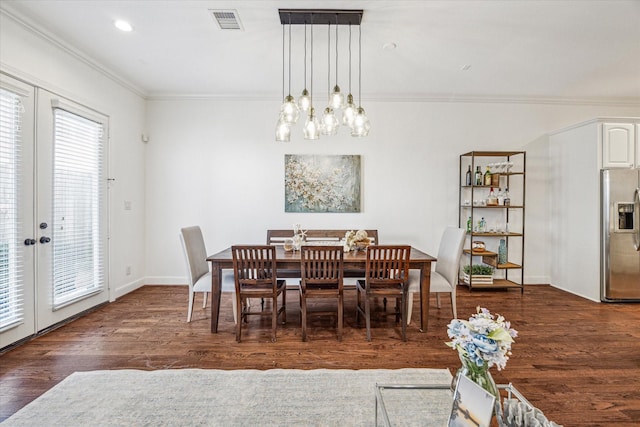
(487, 177)
(502, 252)
(478, 180)
(507, 199)
(500, 197)
(492, 200)
(469, 225)
(468, 180)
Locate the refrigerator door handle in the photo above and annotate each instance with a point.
(637, 219)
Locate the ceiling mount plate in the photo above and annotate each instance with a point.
(320, 16)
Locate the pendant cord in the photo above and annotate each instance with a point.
(311, 94)
(329, 62)
(360, 67)
(305, 55)
(289, 54)
(283, 61)
(349, 57)
(336, 50)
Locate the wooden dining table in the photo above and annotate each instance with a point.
(289, 261)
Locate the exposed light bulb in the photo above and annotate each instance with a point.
(312, 126)
(304, 102)
(349, 112)
(289, 110)
(283, 130)
(329, 122)
(337, 98)
(361, 125)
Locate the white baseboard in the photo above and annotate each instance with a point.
(227, 284)
(126, 288)
(537, 280)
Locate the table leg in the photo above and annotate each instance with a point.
(425, 288)
(216, 292)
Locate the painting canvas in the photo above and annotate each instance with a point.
(321, 183)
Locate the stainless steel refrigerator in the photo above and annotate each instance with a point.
(620, 230)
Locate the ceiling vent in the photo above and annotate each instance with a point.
(227, 19)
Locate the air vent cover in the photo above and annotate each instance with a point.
(227, 19)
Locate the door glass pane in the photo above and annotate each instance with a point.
(78, 266)
(11, 277)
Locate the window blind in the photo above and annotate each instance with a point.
(11, 260)
(78, 259)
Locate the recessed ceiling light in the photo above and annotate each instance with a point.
(123, 26)
(389, 46)
(465, 67)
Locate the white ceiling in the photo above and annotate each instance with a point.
(523, 50)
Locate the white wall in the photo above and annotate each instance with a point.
(215, 163)
(204, 164)
(29, 55)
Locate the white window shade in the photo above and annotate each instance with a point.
(78, 268)
(11, 261)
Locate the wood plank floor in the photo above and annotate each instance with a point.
(577, 360)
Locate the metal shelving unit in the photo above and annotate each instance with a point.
(513, 215)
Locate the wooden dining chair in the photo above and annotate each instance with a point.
(254, 268)
(322, 274)
(386, 276)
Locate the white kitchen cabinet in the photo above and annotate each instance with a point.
(638, 145)
(619, 146)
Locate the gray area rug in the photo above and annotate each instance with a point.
(207, 397)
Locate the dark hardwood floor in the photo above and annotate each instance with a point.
(577, 360)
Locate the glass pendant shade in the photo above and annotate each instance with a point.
(361, 125)
(304, 102)
(283, 130)
(312, 126)
(349, 112)
(289, 110)
(329, 122)
(337, 98)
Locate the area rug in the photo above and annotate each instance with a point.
(208, 397)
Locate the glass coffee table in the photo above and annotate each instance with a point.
(422, 405)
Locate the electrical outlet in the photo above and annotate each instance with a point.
(128, 270)
(127, 205)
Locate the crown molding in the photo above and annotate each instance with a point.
(50, 38)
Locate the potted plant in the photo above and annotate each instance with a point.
(479, 273)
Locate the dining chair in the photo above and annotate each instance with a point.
(198, 273)
(386, 276)
(254, 268)
(445, 277)
(322, 274)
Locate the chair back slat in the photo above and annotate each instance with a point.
(321, 266)
(254, 265)
(387, 264)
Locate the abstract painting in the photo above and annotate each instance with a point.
(321, 183)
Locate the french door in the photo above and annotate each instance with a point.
(58, 243)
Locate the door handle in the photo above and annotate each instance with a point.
(636, 244)
(44, 239)
(29, 242)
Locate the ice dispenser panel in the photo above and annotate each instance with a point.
(625, 216)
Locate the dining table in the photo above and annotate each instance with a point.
(289, 261)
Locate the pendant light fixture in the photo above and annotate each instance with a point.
(329, 121)
(349, 112)
(352, 115)
(361, 125)
(337, 98)
(311, 126)
(289, 111)
(304, 102)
